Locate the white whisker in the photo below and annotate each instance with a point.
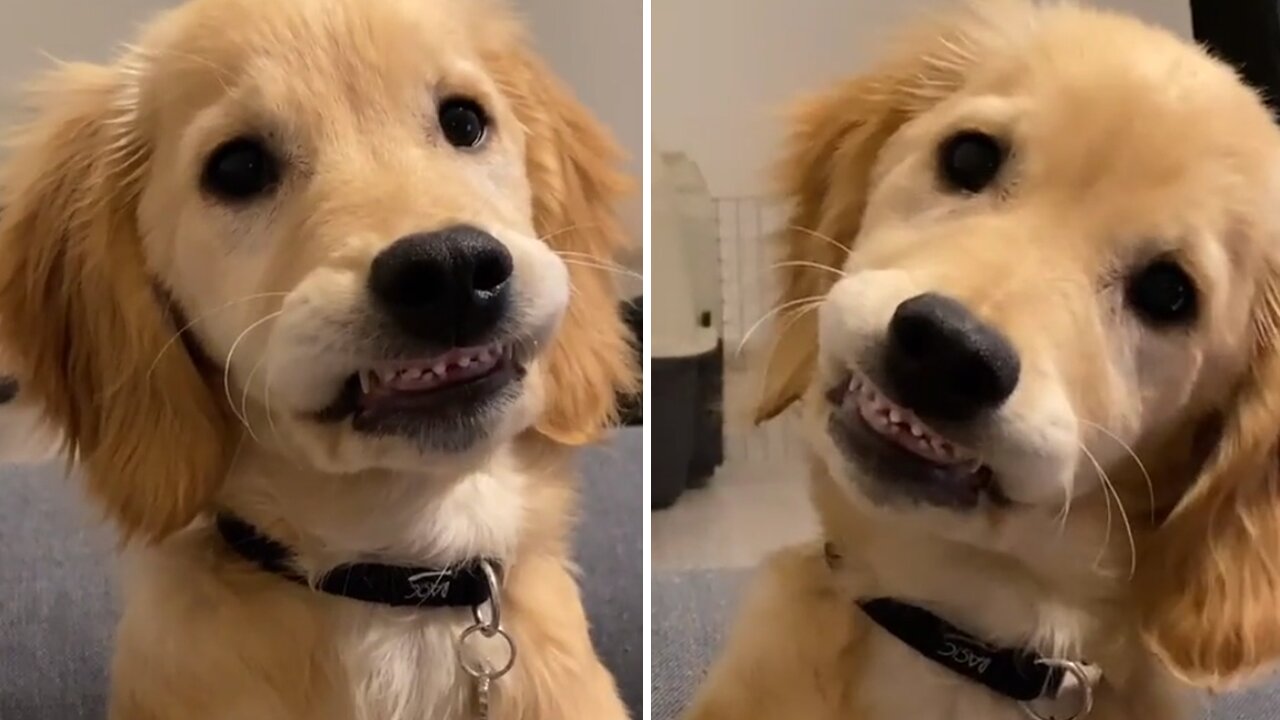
(1151, 490)
(805, 263)
(778, 341)
(562, 231)
(266, 402)
(1109, 490)
(1066, 510)
(606, 268)
(814, 233)
(248, 384)
(226, 371)
(1106, 538)
(192, 323)
(817, 299)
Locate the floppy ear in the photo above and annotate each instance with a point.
(572, 168)
(826, 171)
(84, 318)
(1210, 580)
(825, 174)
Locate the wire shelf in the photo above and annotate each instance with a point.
(747, 225)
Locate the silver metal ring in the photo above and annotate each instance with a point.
(1086, 684)
(493, 625)
(480, 671)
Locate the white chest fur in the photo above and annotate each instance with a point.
(405, 666)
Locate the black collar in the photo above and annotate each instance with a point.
(1019, 674)
(466, 585)
(1016, 673)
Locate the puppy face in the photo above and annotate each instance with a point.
(1034, 262)
(1049, 266)
(337, 224)
(350, 227)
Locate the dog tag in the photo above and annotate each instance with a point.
(480, 665)
(482, 683)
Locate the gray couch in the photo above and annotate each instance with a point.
(57, 604)
(696, 608)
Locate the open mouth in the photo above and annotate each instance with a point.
(902, 453)
(445, 398)
(900, 426)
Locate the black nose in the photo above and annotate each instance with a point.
(943, 362)
(450, 287)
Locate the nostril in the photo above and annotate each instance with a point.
(916, 336)
(492, 271)
(410, 276)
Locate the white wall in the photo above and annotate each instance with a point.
(33, 31)
(597, 46)
(724, 70)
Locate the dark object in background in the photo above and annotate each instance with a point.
(674, 390)
(8, 389)
(631, 408)
(1245, 33)
(687, 424)
(708, 445)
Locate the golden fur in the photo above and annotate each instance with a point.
(1126, 142)
(108, 248)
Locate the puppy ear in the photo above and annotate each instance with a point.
(827, 170)
(842, 129)
(1210, 580)
(572, 168)
(83, 316)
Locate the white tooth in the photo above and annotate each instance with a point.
(440, 368)
(464, 362)
(894, 415)
(387, 376)
(917, 430)
(412, 373)
(364, 380)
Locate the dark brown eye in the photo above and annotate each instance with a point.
(969, 161)
(240, 170)
(463, 122)
(1162, 294)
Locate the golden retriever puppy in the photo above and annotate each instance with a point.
(1031, 306)
(316, 291)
